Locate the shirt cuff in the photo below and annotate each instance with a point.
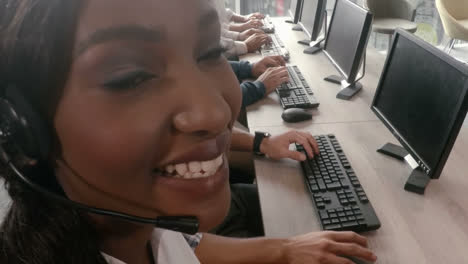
(241, 48)
(229, 14)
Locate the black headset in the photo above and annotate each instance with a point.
(25, 135)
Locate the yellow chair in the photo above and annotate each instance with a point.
(454, 16)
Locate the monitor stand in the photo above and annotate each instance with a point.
(321, 43)
(418, 180)
(289, 21)
(348, 90)
(297, 28)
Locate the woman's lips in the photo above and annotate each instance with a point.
(203, 151)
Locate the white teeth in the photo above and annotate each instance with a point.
(170, 169)
(195, 169)
(195, 166)
(219, 161)
(208, 166)
(181, 168)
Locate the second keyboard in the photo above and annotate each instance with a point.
(296, 93)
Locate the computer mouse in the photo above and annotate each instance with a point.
(294, 115)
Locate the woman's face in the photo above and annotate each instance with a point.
(148, 92)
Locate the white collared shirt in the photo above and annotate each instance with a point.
(168, 248)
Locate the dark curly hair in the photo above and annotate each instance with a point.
(36, 46)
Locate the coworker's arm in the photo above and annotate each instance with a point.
(276, 147)
(320, 247)
(252, 92)
(241, 140)
(246, 25)
(242, 69)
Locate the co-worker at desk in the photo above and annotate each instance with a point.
(240, 23)
(239, 39)
(269, 73)
(94, 108)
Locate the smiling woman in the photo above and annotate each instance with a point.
(139, 107)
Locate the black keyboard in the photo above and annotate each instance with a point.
(273, 50)
(339, 198)
(276, 40)
(268, 26)
(297, 92)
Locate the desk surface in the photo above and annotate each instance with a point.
(315, 68)
(415, 229)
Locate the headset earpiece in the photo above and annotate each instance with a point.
(22, 128)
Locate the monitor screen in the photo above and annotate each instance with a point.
(295, 10)
(347, 37)
(312, 16)
(422, 98)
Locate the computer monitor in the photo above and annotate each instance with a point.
(294, 11)
(346, 44)
(422, 98)
(312, 19)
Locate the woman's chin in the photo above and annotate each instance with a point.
(213, 215)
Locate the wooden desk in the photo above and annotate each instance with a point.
(415, 229)
(267, 112)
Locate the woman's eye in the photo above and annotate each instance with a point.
(129, 80)
(213, 54)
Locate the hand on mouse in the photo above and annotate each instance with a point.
(277, 147)
(262, 65)
(274, 77)
(327, 247)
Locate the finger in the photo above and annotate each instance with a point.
(295, 155)
(305, 144)
(284, 80)
(279, 69)
(349, 237)
(298, 139)
(312, 142)
(269, 62)
(354, 250)
(279, 81)
(280, 60)
(334, 259)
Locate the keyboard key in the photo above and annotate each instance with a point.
(332, 227)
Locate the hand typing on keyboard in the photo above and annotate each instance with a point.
(253, 23)
(262, 65)
(274, 77)
(253, 16)
(327, 247)
(249, 32)
(277, 147)
(256, 41)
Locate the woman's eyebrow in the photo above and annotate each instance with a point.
(122, 32)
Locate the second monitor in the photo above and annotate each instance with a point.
(313, 20)
(346, 44)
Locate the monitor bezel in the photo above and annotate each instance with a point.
(455, 124)
(362, 46)
(297, 13)
(318, 23)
